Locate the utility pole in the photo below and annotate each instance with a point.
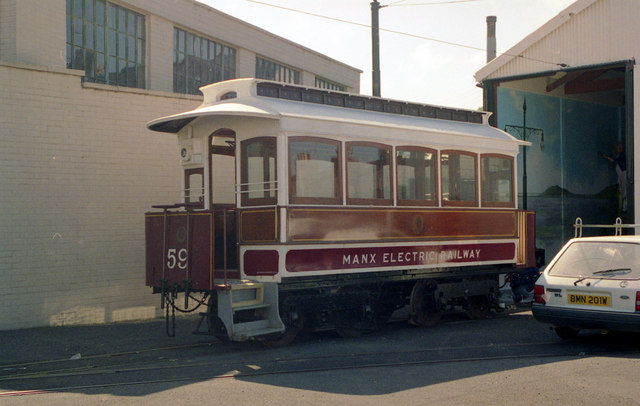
(375, 45)
(524, 134)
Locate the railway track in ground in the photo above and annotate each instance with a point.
(188, 363)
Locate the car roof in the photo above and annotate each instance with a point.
(610, 238)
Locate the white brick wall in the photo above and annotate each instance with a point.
(7, 30)
(160, 54)
(79, 169)
(40, 32)
(246, 65)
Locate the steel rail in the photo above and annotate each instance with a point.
(200, 378)
(124, 368)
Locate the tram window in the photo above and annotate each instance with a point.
(497, 181)
(222, 166)
(314, 171)
(258, 171)
(416, 176)
(194, 186)
(459, 184)
(368, 173)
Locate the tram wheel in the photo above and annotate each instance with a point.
(285, 338)
(478, 307)
(216, 326)
(424, 309)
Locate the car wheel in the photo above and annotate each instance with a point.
(567, 333)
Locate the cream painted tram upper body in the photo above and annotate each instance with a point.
(285, 182)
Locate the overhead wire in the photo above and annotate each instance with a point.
(395, 4)
(444, 42)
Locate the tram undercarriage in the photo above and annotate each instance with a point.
(350, 304)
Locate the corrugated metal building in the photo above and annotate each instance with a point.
(569, 88)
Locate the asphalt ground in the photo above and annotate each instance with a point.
(506, 359)
(77, 342)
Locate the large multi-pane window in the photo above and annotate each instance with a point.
(327, 84)
(497, 180)
(107, 41)
(266, 69)
(416, 176)
(198, 61)
(314, 171)
(459, 179)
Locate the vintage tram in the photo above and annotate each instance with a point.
(324, 209)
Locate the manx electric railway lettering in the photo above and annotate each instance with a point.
(332, 210)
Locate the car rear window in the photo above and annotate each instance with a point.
(606, 260)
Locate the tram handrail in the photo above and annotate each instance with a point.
(239, 187)
(618, 226)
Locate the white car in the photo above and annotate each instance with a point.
(592, 283)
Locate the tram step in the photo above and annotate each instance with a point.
(239, 328)
(251, 307)
(247, 294)
(256, 333)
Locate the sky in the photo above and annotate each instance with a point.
(413, 67)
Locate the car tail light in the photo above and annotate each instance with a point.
(538, 295)
(638, 301)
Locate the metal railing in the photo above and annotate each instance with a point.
(618, 226)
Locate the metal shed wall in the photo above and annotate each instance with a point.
(588, 32)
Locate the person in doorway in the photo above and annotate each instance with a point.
(621, 170)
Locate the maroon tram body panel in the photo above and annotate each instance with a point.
(328, 259)
(337, 225)
(188, 251)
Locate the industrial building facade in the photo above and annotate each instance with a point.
(79, 79)
(570, 88)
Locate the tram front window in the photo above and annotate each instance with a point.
(259, 171)
(194, 186)
(314, 171)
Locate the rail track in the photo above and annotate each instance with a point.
(186, 363)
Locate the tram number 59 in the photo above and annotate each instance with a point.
(177, 257)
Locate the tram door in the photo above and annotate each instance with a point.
(223, 201)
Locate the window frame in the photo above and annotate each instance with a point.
(337, 199)
(416, 202)
(197, 70)
(460, 203)
(187, 186)
(510, 204)
(279, 71)
(126, 28)
(358, 201)
(323, 83)
(221, 150)
(245, 200)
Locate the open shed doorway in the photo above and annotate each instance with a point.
(574, 118)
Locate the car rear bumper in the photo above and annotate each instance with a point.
(586, 319)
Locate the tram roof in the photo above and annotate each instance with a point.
(272, 100)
